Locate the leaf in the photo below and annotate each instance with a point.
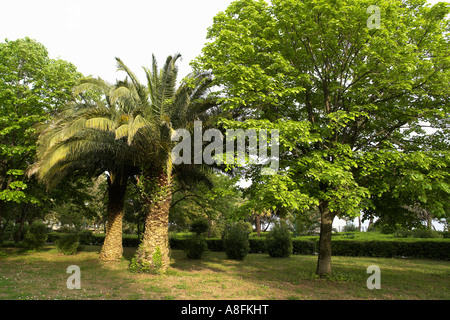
(103, 124)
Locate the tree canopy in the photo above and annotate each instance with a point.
(349, 101)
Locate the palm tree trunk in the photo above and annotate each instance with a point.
(112, 249)
(153, 252)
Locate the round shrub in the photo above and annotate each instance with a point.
(196, 247)
(68, 244)
(200, 226)
(235, 241)
(36, 236)
(279, 242)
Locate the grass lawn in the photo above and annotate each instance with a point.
(42, 275)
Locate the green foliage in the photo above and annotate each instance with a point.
(200, 226)
(425, 233)
(35, 236)
(196, 246)
(402, 233)
(218, 203)
(387, 229)
(349, 227)
(140, 267)
(86, 237)
(157, 259)
(257, 245)
(350, 102)
(215, 244)
(235, 241)
(68, 244)
(32, 87)
(279, 242)
(420, 233)
(140, 264)
(305, 247)
(431, 249)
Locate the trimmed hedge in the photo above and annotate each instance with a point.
(437, 249)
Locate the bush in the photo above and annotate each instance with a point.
(387, 229)
(403, 233)
(279, 242)
(68, 244)
(129, 240)
(257, 245)
(52, 237)
(236, 241)
(86, 237)
(98, 239)
(142, 264)
(430, 249)
(196, 247)
(350, 227)
(215, 244)
(36, 236)
(425, 233)
(303, 247)
(199, 226)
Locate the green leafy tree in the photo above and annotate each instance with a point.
(218, 201)
(346, 98)
(32, 87)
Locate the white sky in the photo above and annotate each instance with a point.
(91, 33)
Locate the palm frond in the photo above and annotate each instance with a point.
(121, 92)
(141, 90)
(122, 131)
(138, 123)
(103, 124)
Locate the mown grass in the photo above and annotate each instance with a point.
(42, 275)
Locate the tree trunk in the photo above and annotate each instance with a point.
(112, 249)
(18, 235)
(326, 225)
(429, 221)
(210, 224)
(3, 228)
(258, 224)
(153, 253)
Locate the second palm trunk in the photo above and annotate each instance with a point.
(153, 253)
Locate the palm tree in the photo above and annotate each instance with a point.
(159, 108)
(126, 133)
(82, 140)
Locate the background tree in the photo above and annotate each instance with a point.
(32, 87)
(219, 202)
(344, 96)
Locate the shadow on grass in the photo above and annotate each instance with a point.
(412, 279)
